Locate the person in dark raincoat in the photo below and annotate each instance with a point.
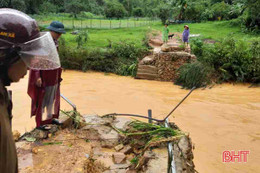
(22, 46)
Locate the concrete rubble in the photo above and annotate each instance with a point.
(109, 149)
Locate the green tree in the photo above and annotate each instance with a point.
(183, 5)
(48, 7)
(252, 21)
(59, 4)
(74, 7)
(32, 6)
(138, 12)
(194, 11)
(115, 9)
(164, 13)
(5, 3)
(220, 10)
(94, 6)
(82, 39)
(16, 4)
(19, 5)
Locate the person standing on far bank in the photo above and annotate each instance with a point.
(22, 46)
(185, 35)
(165, 34)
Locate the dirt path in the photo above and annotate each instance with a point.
(68, 155)
(156, 40)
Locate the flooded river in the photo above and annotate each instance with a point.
(225, 117)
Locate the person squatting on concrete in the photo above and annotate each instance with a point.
(22, 46)
(44, 88)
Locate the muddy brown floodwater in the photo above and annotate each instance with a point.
(225, 117)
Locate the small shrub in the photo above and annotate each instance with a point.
(127, 50)
(194, 74)
(197, 46)
(182, 46)
(127, 70)
(146, 38)
(88, 15)
(97, 60)
(82, 38)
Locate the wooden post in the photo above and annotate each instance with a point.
(110, 23)
(100, 24)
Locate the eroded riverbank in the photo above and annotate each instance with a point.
(223, 118)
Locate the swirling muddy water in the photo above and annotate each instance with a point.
(225, 117)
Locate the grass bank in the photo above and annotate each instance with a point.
(216, 30)
(100, 38)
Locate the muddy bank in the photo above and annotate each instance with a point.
(109, 144)
(225, 117)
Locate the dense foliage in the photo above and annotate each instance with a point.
(245, 11)
(120, 58)
(227, 60)
(195, 74)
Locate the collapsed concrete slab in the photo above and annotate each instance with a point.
(108, 144)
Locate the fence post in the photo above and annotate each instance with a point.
(81, 23)
(127, 22)
(135, 21)
(100, 23)
(73, 23)
(150, 115)
(120, 24)
(110, 23)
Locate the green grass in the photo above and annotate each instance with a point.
(209, 30)
(214, 30)
(98, 38)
